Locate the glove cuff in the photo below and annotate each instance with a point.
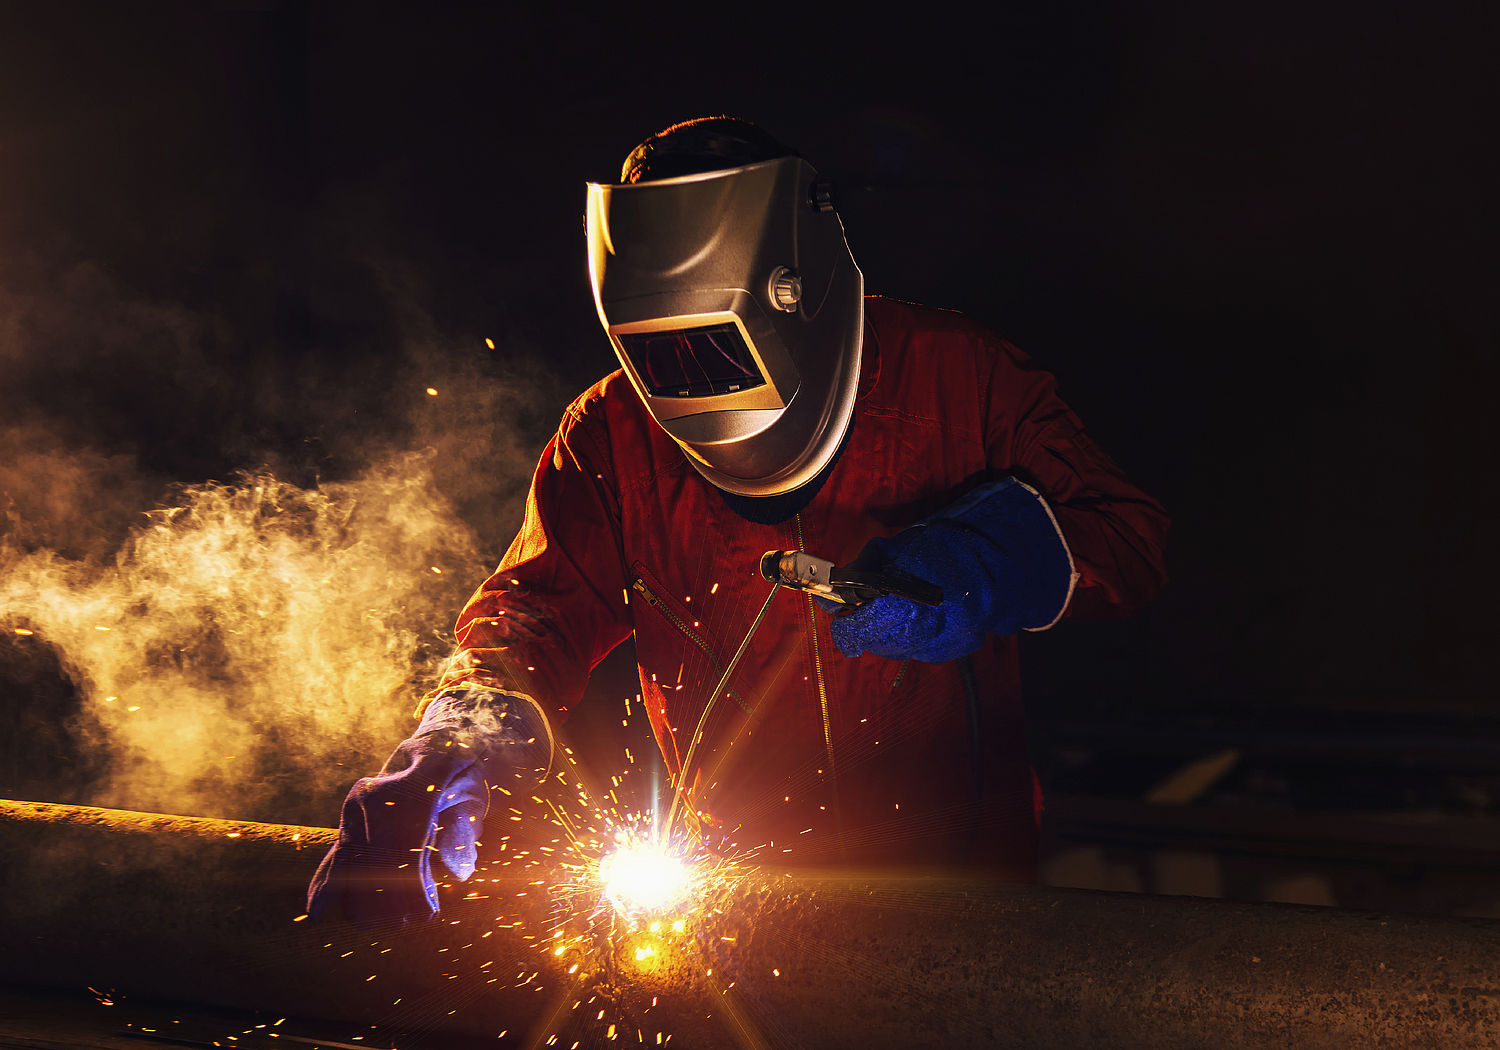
(507, 726)
(1053, 560)
(1030, 560)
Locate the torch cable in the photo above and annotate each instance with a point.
(687, 761)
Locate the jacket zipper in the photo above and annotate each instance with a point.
(691, 635)
(812, 619)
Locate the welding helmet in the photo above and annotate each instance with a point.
(725, 284)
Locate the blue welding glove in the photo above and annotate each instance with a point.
(428, 802)
(1000, 559)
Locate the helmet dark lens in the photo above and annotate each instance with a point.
(692, 362)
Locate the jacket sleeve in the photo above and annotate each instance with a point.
(1114, 531)
(556, 605)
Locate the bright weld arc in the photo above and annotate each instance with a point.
(644, 876)
(633, 901)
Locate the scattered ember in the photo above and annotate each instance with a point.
(602, 890)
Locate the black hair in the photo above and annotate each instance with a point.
(701, 144)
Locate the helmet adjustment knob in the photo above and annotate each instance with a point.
(786, 289)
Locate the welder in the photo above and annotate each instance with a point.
(764, 404)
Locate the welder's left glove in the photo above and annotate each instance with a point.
(428, 803)
(1000, 559)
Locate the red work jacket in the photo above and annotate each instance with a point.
(812, 756)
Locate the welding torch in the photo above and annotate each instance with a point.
(852, 587)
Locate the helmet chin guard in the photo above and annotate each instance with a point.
(737, 312)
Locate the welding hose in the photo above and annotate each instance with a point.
(976, 732)
(976, 721)
(687, 760)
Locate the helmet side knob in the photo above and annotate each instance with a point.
(786, 289)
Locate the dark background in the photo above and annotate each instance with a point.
(1254, 241)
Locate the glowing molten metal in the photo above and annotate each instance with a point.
(642, 876)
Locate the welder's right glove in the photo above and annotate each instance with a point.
(998, 556)
(428, 802)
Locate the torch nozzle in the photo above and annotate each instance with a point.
(797, 569)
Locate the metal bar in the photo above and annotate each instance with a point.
(203, 911)
(1431, 839)
(1416, 742)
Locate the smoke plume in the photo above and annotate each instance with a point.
(254, 644)
(243, 647)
